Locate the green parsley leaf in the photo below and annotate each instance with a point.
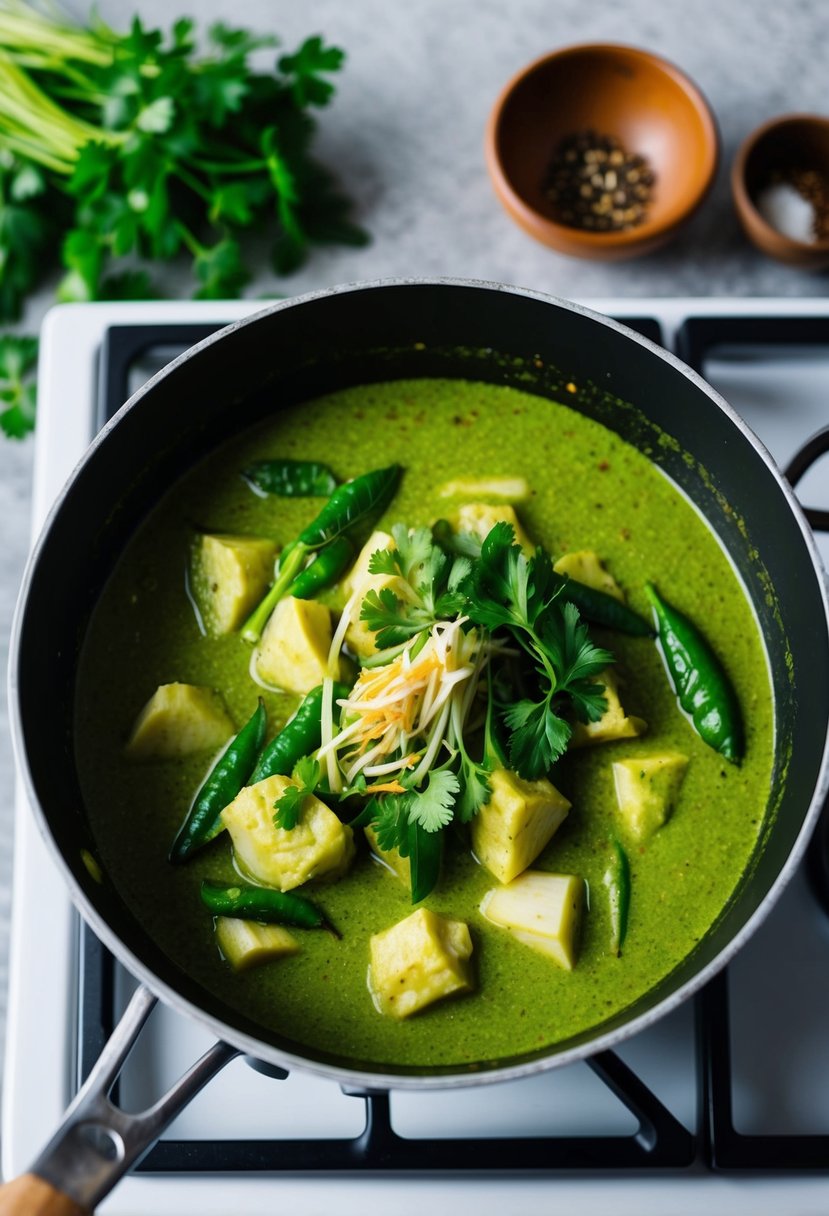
(539, 736)
(434, 579)
(288, 808)
(220, 270)
(305, 69)
(505, 590)
(432, 807)
(18, 394)
(391, 820)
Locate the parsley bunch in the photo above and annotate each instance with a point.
(122, 150)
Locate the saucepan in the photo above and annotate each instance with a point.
(296, 350)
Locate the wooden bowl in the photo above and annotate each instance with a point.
(783, 145)
(646, 103)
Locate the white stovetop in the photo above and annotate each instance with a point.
(38, 1063)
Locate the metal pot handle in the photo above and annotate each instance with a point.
(97, 1142)
(800, 463)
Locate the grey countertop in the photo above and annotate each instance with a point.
(405, 134)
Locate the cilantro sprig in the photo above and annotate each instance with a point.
(506, 590)
(122, 150)
(433, 581)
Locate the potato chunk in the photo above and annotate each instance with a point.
(542, 911)
(359, 638)
(359, 573)
(320, 846)
(646, 790)
(586, 567)
(417, 961)
(480, 518)
(514, 488)
(614, 722)
(390, 858)
(293, 651)
(229, 576)
(519, 820)
(246, 943)
(179, 719)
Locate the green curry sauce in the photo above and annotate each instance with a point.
(589, 489)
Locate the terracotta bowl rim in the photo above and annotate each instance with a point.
(743, 199)
(534, 221)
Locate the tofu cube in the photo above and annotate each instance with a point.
(246, 943)
(418, 961)
(614, 722)
(586, 567)
(480, 518)
(293, 651)
(319, 846)
(519, 821)
(390, 858)
(542, 911)
(177, 720)
(646, 790)
(230, 574)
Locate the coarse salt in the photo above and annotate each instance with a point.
(788, 211)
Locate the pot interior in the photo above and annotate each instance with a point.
(300, 350)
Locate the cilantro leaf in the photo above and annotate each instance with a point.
(435, 583)
(220, 270)
(432, 807)
(18, 394)
(539, 736)
(505, 590)
(305, 69)
(393, 621)
(391, 819)
(475, 790)
(288, 808)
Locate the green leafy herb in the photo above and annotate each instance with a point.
(507, 590)
(288, 808)
(433, 577)
(141, 146)
(18, 392)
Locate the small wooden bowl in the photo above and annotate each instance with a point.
(646, 103)
(790, 143)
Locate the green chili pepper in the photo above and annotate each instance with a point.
(324, 570)
(617, 880)
(223, 782)
(264, 904)
(424, 851)
(700, 683)
(602, 609)
(299, 737)
(349, 506)
(290, 478)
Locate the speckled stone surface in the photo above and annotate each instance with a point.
(405, 134)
